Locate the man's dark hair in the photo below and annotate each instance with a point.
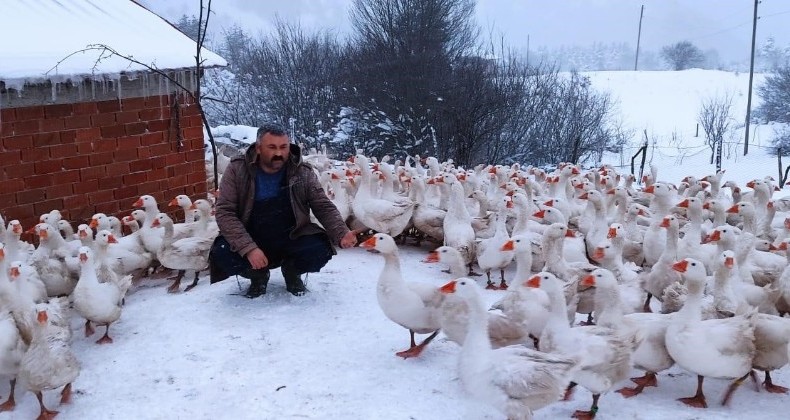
(273, 128)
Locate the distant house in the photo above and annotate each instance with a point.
(84, 131)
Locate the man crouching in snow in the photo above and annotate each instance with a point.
(263, 214)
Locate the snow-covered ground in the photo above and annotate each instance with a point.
(210, 354)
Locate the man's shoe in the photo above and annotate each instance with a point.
(293, 281)
(259, 279)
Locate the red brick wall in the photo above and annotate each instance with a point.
(92, 157)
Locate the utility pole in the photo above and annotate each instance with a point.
(751, 78)
(639, 36)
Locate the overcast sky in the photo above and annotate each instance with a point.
(725, 25)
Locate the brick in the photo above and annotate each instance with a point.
(30, 196)
(86, 186)
(110, 207)
(87, 134)
(137, 128)
(29, 113)
(58, 111)
(103, 120)
(68, 136)
(201, 189)
(193, 133)
(127, 155)
(177, 181)
(126, 191)
(47, 205)
(195, 156)
(156, 174)
(150, 139)
(150, 187)
(174, 159)
(85, 108)
(46, 139)
(100, 158)
(58, 191)
(111, 181)
(35, 154)
(26, 127)
(131, 104)
(21, 170)
(51, 124)
(18, 142)
(195, 121)
(74, 202)
(92, 172)
(197, 144)
(10, 157)
(197, 166)
(63, 150)
(75, 162)
(6, 127)
(84, 148)
(105, 145)
(77, 121)
(143, 153)
(112, 105)
(67, 177)
(139, 165)
(117, 169)
(125, 117)
(160, 150)
(8, 114)
(8, 199)
(99, 196)
(150, 114)
(21, 212)
(158, 125)
(196, 177)
(157, 101)
(134, 178)
(47, 166)
(39, 181)
(113, 131)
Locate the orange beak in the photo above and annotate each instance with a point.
(42, 317)
(93, 223)
(448, 288)
(706, 206)
(733, 209)
(650, 189)
(599, 253)
(612, 233)
(549, 203)
(782, 246)
(138, 203)
(111, 239)
(370, 243)
(173, 203)
(508, 246)
(334, 176)
(729, 262)
(83, 257)
(83, 234)
(680, 266)
(589, 280)
(750, 184)
(14, 272)
(584, 196)
(43, 234)
(533, 282)
(610, 191)
(509, 204)
(155, 223)
(193, 206)
(433, 257)
(684, 204)
(665, 222)
(540, 214)
(570, 234)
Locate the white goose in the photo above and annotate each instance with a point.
(190, 253)
(378, 214)
(516, 380)
(414, 306)
(717, 348)
(95, 301)
(489, 253)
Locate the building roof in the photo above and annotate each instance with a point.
(42, 40)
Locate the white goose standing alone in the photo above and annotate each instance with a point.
(95, 301)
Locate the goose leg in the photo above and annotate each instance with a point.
(176, 283)
(587, 415)
(569, 391)
(105, 339)
(65, 395)
(698, 400)
(45, 414)
(769, 386)
(416, 350)
(733, 386)
(10, 403)
(646, 307)
(535, 341)
(641, 383)
(194, 282)
(89, 329)
(490, 284)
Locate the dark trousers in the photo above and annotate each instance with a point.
(304, 254)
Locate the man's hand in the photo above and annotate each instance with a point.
(257, 259)
(349, 240)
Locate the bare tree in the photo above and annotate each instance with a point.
(682, 55)
(775, 96)
(716, 120)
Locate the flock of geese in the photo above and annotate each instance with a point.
(87, 272)
(693, 274)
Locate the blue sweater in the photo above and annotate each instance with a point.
(268, 185)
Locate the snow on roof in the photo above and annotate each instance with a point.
(36, 36)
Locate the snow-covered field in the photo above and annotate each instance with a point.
(210, 354)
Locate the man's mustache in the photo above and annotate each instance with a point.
(277, 158)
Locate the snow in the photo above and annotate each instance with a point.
(209, 353)
(37, 35)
